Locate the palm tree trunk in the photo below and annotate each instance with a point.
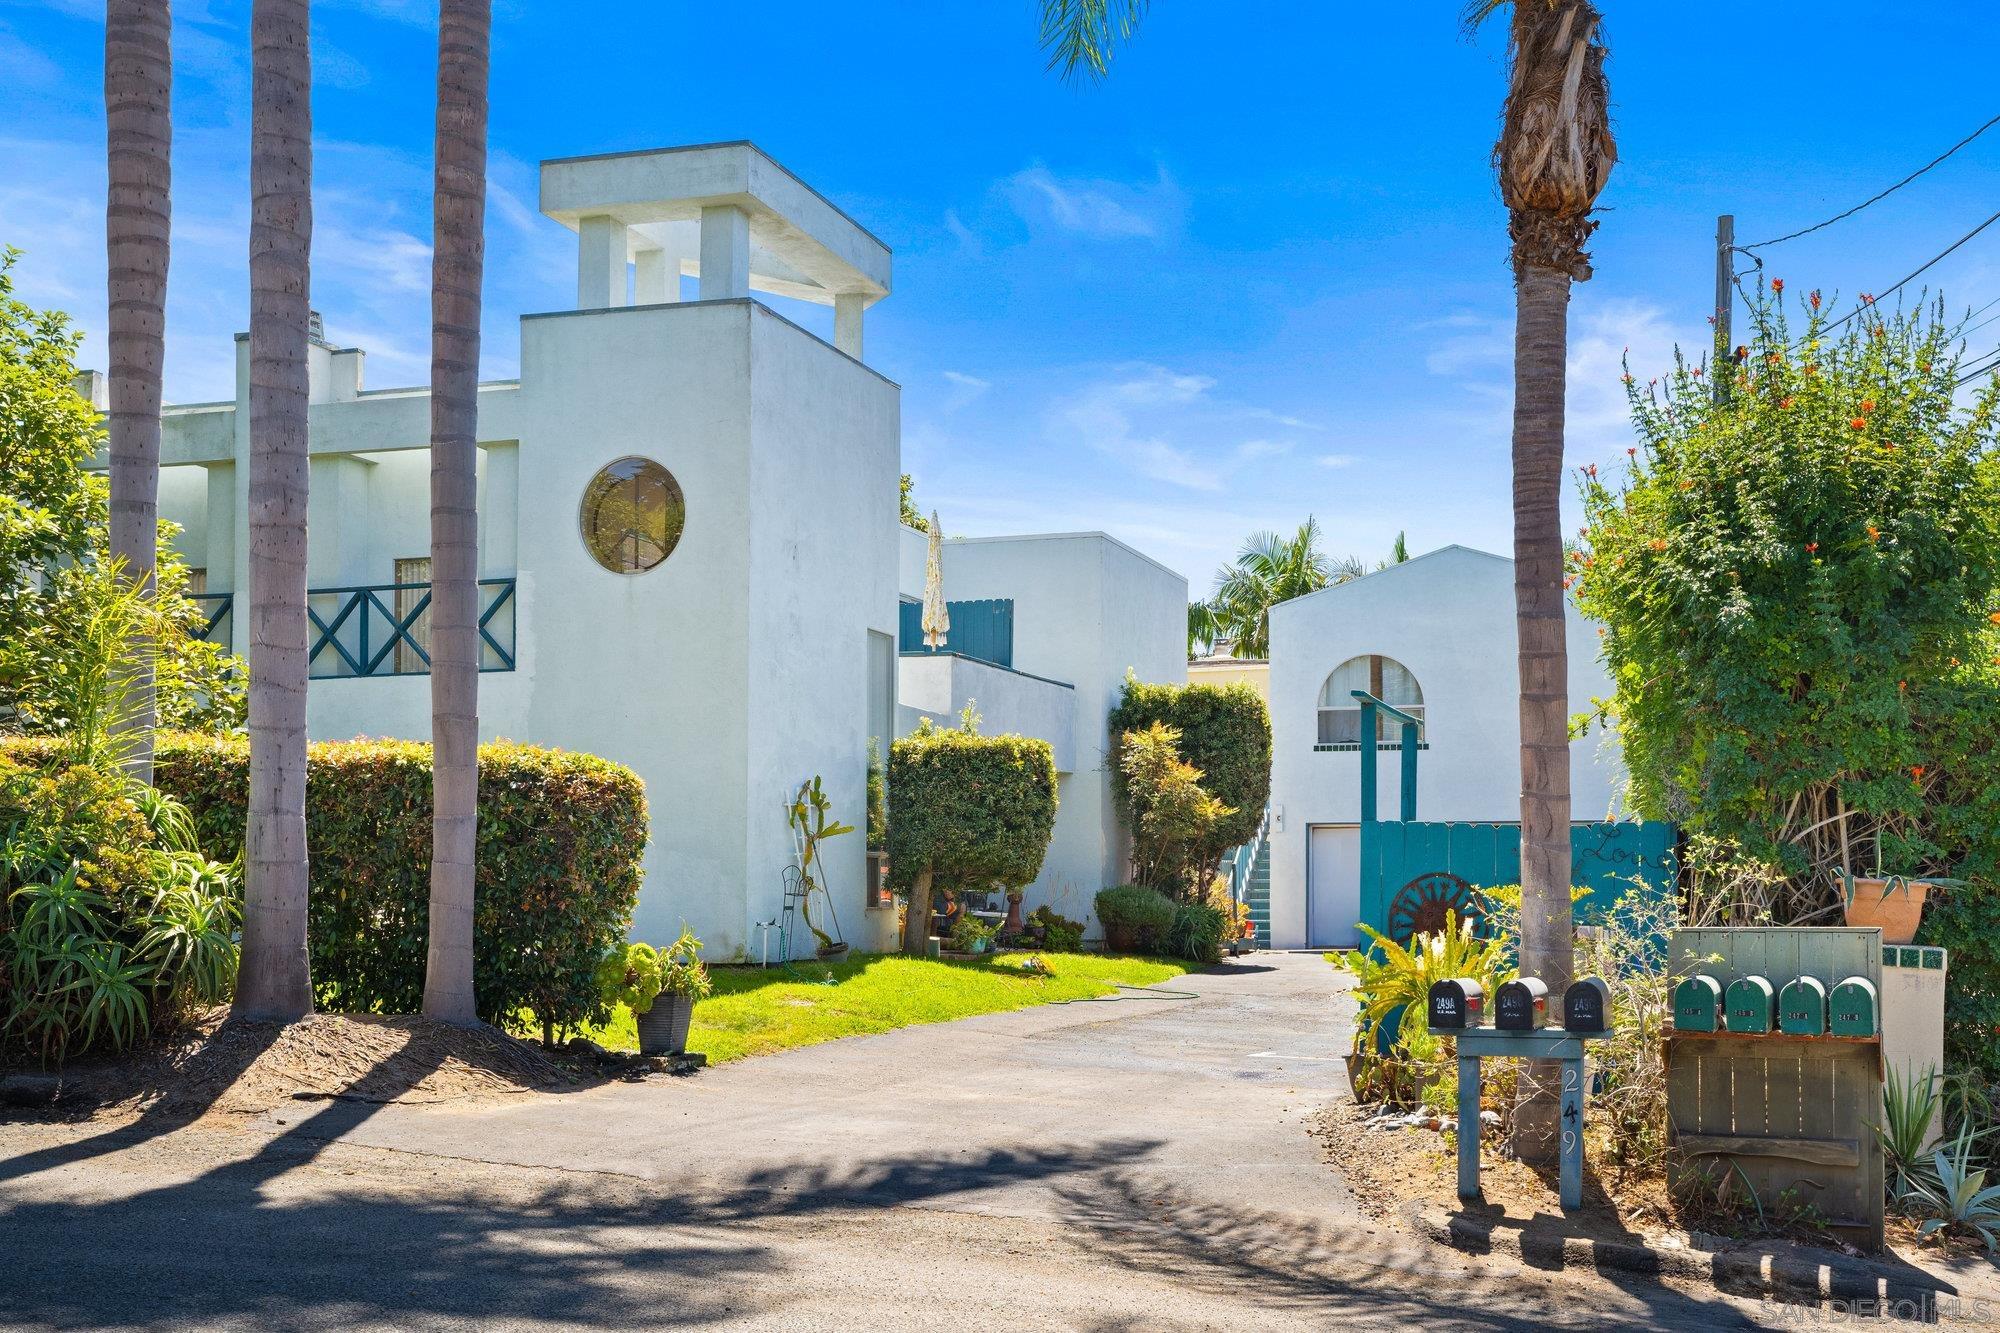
(138, 88)
(1541, 347)
(275, 981)
(458, 260)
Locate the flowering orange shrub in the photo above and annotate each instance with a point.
(1799, 582)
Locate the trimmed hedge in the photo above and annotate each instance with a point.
(972, 809)
(1225, 732)
(560, 841)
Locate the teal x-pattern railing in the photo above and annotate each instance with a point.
(358, 633)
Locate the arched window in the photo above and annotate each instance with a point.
(1386, 679)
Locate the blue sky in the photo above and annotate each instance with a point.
(1259, 273)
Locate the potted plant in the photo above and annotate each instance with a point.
(1135, 919)
(660, 987)
(812, 823)
(1893, 902)
(970, 935)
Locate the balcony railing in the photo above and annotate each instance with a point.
(982, 629)
(383, 630)
(215, 605)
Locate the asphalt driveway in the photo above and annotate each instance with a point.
(1138, 1163)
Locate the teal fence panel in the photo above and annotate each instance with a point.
(983, 629)
(1413, 874)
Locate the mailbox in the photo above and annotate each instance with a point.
(1698, 1005)
(1522, 1005)
(1853, 1009)
(1802, 1007)
(1457, 1003)
(1587, 1006)
(1751, 1006)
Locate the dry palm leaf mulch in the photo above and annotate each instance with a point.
(211, 1065)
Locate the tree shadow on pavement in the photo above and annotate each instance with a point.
(277, 1237)
(1283, 1261)
(163, 1114)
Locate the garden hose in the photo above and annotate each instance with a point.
(1153, 991)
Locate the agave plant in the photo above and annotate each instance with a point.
(1909, 1104)
(1390, 977)
(1958, 1196)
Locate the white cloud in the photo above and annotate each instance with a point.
(1335, 460)
(964, 389)
(1103, 209)
(1164, 425)
(966, 237)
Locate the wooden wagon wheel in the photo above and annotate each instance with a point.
(1422, 906)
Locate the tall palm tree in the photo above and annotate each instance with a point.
(1271, 569)
(1554, 155)
(275, 981)
(138, 93)
(1556, 151)
(458, 256)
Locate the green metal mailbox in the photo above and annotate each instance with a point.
(1698, 1005)
(1751, 1005)
(1802, 1007)
(1855, 1010)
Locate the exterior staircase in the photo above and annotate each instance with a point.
(1257, 894)
(1249, 868)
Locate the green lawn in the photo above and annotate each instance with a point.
(755, 1011)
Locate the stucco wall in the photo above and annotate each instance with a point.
(1449, 618)
(1086, 609)
(823, 551)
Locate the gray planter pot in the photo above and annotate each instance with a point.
(663, 1029)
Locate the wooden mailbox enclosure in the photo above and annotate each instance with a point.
(1794, 1113)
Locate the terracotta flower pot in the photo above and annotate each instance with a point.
(1895, 904)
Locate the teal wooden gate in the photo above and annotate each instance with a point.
(1413, 874)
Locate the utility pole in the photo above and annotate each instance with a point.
(1724, 366)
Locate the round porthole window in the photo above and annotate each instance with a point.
(632, 515)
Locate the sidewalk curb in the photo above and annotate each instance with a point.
(1794, 1274)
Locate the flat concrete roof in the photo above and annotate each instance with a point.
(801, 245)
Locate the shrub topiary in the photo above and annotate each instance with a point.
(1225, 733)
(560, 841)
(966, 809)
(1135, 919)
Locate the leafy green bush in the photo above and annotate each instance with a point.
(1059, 933)
(1198, 932)
(110, 920)
(559, 846)
(629, 975)
(54, 537)
(1142, 917)
(1798, 586)
(968, 811)
(1225, 732)
(1172, 816)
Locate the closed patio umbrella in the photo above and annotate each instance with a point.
(937, 620)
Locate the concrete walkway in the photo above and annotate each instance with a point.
(1142, 1163)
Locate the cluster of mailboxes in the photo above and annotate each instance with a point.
(1521, 1005)
(1803, 1007)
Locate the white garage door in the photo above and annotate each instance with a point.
(1333, 886)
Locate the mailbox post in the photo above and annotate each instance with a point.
(1530, 1042)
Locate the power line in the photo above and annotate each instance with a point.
(1913, 273)
(1876, 199)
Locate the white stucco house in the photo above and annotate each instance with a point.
(1433, 636)
(690, 548)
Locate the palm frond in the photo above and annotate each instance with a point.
(1080, 35)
